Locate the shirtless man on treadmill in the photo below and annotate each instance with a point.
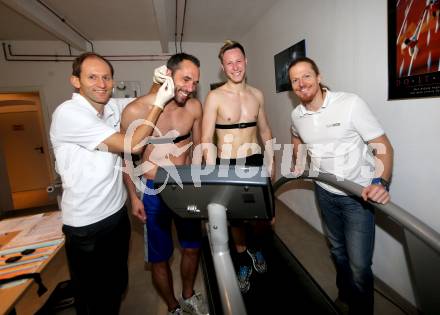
(177, 125)
(235, 113)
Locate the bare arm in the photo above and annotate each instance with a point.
(208, 127)
(132, 112)
(384, 154)
(137, 110)
(197, 126)
(298, 156)
(118, 142)
(384, 165)
(137, 206)
(263, 124)
(196, 134)
(140, 108)
(266, 135)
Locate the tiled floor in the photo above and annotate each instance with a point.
(308, 245)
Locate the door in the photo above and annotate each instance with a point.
(24, 151)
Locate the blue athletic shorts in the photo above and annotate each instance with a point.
(159, 218)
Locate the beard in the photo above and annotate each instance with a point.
(181, 99)
(307, 97)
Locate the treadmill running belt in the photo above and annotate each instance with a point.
(286, 287)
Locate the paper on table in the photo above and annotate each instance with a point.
(33, 229)
(20, 223)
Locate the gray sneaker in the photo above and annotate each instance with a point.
(244, 278)
(177, 311)
(194, 305)
(258, 260)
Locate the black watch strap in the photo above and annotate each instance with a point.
(381, 181)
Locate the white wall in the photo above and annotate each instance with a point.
(51, 79)
(348, 40)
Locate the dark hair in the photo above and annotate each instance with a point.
(230, 44)
(77, 63)
(174, 62)
(312, 63)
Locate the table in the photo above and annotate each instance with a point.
(53, 268)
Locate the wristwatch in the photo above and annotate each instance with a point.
(381, 181)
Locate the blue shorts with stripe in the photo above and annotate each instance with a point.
(159, 235)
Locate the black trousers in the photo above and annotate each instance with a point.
(97, 256)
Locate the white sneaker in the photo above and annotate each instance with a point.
(194, 305)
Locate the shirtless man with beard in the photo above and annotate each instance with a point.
(181, 118)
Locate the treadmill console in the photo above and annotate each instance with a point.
(245, 192)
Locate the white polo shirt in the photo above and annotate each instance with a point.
(92, 179)
(336, 137)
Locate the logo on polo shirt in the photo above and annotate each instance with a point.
(333, 125)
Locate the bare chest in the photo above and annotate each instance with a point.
(241, 107)
(174, 118)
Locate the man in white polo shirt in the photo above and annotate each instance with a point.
(87, 144)
(336, 128)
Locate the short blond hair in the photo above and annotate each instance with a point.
(230, 44)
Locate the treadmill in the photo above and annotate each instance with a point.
(221, 192)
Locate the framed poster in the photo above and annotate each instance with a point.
(282, 62)
(413, 49)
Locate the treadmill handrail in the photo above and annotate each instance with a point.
(397, 214)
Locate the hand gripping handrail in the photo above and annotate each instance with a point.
(397, 214)
(422, 242)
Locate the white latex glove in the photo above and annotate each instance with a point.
(165, 93)
(160, 74)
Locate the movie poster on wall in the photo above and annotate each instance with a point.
(413, 48)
